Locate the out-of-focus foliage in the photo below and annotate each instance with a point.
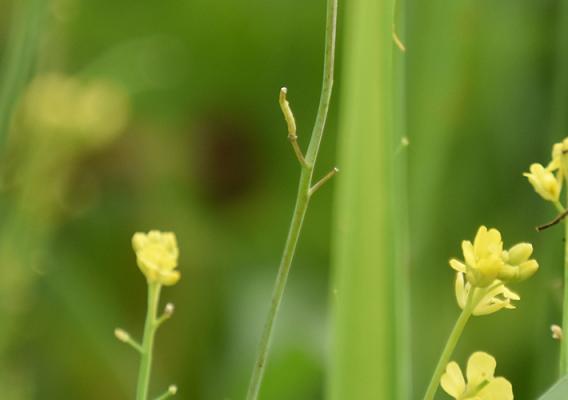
(204, 153)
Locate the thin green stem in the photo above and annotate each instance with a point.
(450, 346)
(564, 343)
(150, 327)
(301, 207)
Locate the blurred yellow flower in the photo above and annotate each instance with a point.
(481, 382)
(544, 182)
(489, 300)
(157, 256)
(483, 258)
(91, 112)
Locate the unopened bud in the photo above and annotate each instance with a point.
(172, 389)
(169, 309)
(556, 332)
(122, 335)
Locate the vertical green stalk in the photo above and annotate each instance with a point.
(558, 127)
(364, 359)
(150, 327)
(564, 343)
(23, 43)
(305, 190)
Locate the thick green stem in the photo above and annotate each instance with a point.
(302, 202)
(450, 346)
(150, 327)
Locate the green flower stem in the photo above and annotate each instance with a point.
(302, 201)
(150, 327)
(451, 345)
(564, 342)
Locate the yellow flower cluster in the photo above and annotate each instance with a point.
(487, 266)
(481, 381)
(157, 256)
(547, 182)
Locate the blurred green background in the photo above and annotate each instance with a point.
(204, 154)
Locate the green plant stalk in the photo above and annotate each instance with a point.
(150, 327)
(302, 202)
(564, 343)
(364, 362)
(558, 126)
(449, 347)
(20, 56)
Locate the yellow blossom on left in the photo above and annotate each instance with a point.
(483, 257)
(481, 381)
(157, 256)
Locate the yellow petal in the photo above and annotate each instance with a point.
(457, 265)
(452, 381)
(169, 278)
(498, 389)
(461, 290)
(467, 249)
(480, 368)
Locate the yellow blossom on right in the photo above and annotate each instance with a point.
(547, 182)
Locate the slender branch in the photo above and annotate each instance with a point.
(450, 346)
(124, 337)
(168, 312)
(302, 200)
(323, 180)
(150, 327)
(555, 221)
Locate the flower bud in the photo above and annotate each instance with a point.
(122, 335)
(544, 182)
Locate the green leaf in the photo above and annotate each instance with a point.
(559, 391)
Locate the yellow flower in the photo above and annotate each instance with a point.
(483, 258)
(544, 182)
(490, 300)
(518, 266)
(157, 256)
(481, 382)
(91, 112)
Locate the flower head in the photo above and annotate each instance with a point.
(157, 256)
(483, 257)
(544, 182)
(485, 261)
(481, 383)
